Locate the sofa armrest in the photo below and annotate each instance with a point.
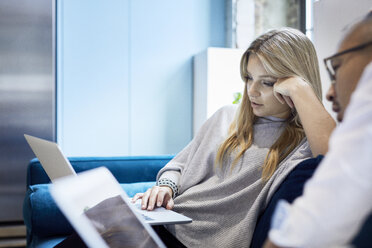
(41, 215)
(125, 169)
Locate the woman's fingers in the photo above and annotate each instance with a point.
(284, 99)
(155, 197)
(289, 101)
(279, 97)
(161, 198)
(165, 198)
(137, 196)
(145, 198)
(170, 204)
(152, 198)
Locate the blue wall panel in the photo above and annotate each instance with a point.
(92, 77)
(125, 73)
(163, 43)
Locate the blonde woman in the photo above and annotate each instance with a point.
(227, 174)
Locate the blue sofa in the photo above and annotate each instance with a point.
(46, 225)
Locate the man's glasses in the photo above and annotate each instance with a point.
(329, 61)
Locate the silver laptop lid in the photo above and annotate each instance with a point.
(100, 211)
(55, 164)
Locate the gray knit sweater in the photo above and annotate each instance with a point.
(225, 203)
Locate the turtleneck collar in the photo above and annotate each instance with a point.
(268, 119)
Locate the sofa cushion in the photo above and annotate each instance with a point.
(42, 216)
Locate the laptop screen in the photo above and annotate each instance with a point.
(117, 224)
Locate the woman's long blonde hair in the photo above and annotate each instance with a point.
(284, 53)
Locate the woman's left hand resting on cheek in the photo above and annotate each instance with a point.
(316, 121)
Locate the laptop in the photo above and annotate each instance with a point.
(101, 212)
(57, 166)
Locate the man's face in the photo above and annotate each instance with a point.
(349, 68)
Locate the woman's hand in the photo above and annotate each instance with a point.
(316, 121)
(155, 196)
(284, 89)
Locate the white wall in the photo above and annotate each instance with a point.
(216, 80)
(331, 17)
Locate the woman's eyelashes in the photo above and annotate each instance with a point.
(265, 82)
(268, 83)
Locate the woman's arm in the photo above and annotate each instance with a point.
(317, 122)
(162, 195)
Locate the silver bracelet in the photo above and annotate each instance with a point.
(169, 183)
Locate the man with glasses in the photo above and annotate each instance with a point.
(338, 199)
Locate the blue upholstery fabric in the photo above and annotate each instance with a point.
(39, 208)
(289, 190)
(45, 223)
(136, 169)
